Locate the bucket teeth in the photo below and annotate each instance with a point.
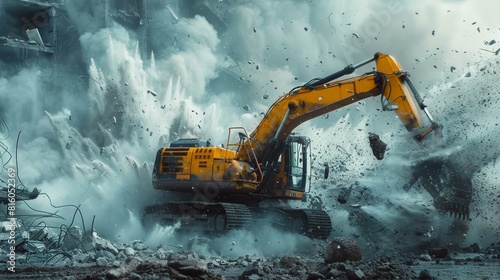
(459, 211)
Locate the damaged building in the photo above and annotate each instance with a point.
(28, 32)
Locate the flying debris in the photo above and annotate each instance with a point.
(152, 93)
(20, 194)
(246, 108)
(377, 145)
(489, 43)
(265, 96)
(355, 35)
(344, 194)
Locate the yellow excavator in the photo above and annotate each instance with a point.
(229, 183)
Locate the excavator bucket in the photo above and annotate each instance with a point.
(448, 185)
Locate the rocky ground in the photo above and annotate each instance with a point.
(41, 255)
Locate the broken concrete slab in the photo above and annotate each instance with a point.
(189, 267)
(72, 238)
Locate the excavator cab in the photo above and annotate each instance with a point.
(296, 163)
(289, 176)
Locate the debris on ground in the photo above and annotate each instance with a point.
(342, 249)
(83, 254)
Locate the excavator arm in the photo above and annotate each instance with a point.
(321, 96)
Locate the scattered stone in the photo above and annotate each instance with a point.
(334, 273)
(138, 245)
(105, 254)
(425, 257)
(315, 276)
(291, 261)
(424, 275)
(119, 246)
(474, 248)
(134, 276)
(87, 243)
(189, 267)
(82, 258)
(33, 246)
(101, 261)
(254, 269)
(129, 265)
(104, 244)
(355, 274)
(129, 252)
(121, 256)
(160, 255)
(439, 253)
(342, 249)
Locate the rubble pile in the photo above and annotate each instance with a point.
(295, 267)
(40, 252)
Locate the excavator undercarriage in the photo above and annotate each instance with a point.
(219, 217)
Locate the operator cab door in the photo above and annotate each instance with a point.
(297, 165)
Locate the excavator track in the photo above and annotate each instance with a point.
(206, 216)
(312, 223)
(222, 217)
(319, 224)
